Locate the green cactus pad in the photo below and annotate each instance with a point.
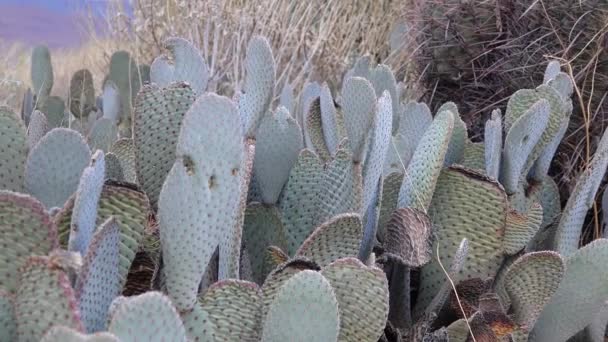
(27, 106)
(382, 79)
(13, 150)
(310, 92)
(277, 278)
(36, 129)
(576, 303)
(278, 143)
(298, 205)
(157, 121)
(25, 229)
(466, 204)
(549, 198)
(542, 165)
(185, 63)
(414, 121)
(125, 151)
(287, 100)
(84, 213)
(44, 299)
(521, 140)
(82, 93)
(474, 156)
(455, 152)
(262, 229)
(124, 74)
(129, 206)
(198, 325)
(99, 279)
(426, 163)
(390, 194)
(259, 85)
(362, 294)
(147, 317)
(64, 334)
(581, 199)
(340, 237)
(553, 68)
(304, 309)
(234, 308)
(54, 109)
(314, 131)
(8, 326)
(530, 283)
(408, 238)
(562, 83)
(111, 101)
(42, 73)
(332, 119)
(113, 168)
(102, 135)
(358, 103)
(493, 144)
(54, 166)
(341, 190)
(199, 202)
(521, 228)
(380, 140)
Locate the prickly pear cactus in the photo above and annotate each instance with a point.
(201, 196)
(493, 144)
(54, 166)
(125, 75)
(103, 134)
(304, 309)
(111, 101)
(157, 120)
(13, 150)
(358, 103)
(8, 327)
(82, 93)
(125, 151)
(42, 74)
(415, 119)
(184, 63)
(36, 129)
(59, 333)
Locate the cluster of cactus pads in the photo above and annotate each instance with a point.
(354, 216)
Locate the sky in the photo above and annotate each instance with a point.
(51, 22)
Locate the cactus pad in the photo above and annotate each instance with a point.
(157, 120)
(54, 166)
(493, 144)
(8, 326)
(337, 238)
(103, 134)
(99, 280)
(64, 334)
(474, 156)
(201, 196)
(521, 228)
(41, 73)
(458, 140)
(408, 237)
(259, 85)
(314, 131)
(124, 74)
(36, 129)
(382, 79)
(82, 93)
(25, 229)
(234, 309)
(332, 119)
(13, 150)
(278, 143)
(113, 168)
(84, 215)
(198, 325)
(184, 64)
(45, 298)
(147, 317)
(125, 151)
(415, 120)
(304, 309)
(426, 163)
(362, 294)
(358, 103)
(576, 302)
(111, 101)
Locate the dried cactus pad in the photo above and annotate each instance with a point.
(64, 334)
(8, 326)
(54, 166)
(13, 150)
(184, 64)
(36, 129)
(147, 317)
(278, 144)
(45, 298)
(157, 121)
(234, 308)
(408, 237)
(82, 93)
(200, 198)
(362, 294)
(337, 238)
(581, 295)
(426, 163)
(83, 224)
(25, 229)
(259, 84)
(358, 103)
(530, 282)
(466, 204)
(99, 280)
(304, 309)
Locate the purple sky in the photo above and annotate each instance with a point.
(51, 22)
